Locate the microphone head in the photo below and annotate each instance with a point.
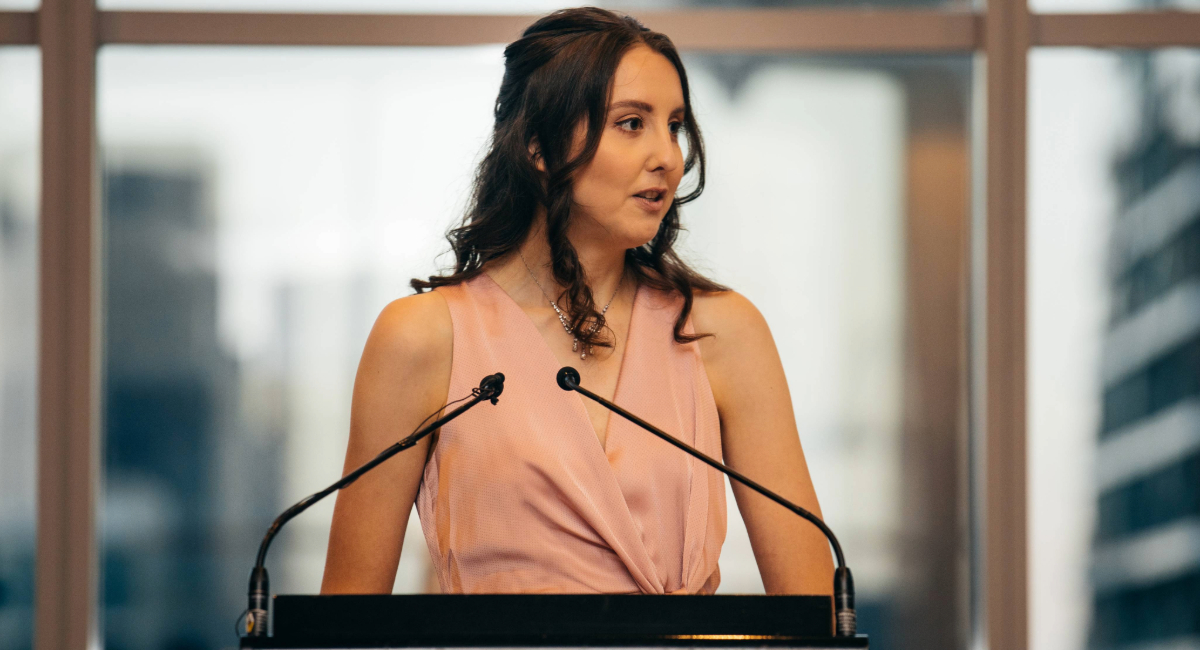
(493, 383)
(568, 378)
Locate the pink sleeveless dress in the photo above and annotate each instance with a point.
(521, 497)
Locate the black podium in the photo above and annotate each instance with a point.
(459, 621)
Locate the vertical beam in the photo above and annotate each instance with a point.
(68, 369)
(1007, 38)
(934, 349)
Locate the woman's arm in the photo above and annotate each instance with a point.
(403, 376)
(759, 439)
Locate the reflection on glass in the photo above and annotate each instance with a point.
(492, 6)
(19, 123)
(261, 207)
(1114, 349)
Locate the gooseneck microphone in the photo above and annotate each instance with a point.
(256, 616)
(843, 582)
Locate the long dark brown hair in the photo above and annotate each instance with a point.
(556, 75)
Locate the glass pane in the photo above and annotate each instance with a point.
(491, 6)
(854, 172)
(19, 5)
(1105, 6)
(20, 120)
(262, 206)
(1114, 349)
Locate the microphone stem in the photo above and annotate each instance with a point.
(259, 593)
(346, 480)
(845, 618)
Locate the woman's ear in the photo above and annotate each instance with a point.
(535, 155)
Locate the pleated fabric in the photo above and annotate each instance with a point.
(521, 497)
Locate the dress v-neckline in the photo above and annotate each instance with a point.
(549, 354)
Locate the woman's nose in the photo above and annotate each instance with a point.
(666, 154)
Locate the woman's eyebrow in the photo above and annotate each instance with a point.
(639, 105)
(632, 103)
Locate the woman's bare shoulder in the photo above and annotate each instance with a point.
(727, 315)
(415, 332)
(740, 345)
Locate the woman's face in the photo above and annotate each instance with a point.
(626, 189)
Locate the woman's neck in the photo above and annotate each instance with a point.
(603, 266)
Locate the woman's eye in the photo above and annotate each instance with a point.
(631, 124)
(676, 127)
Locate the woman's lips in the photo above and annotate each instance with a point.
(650, 205)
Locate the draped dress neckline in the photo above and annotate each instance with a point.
(552, 359)
(520, 497)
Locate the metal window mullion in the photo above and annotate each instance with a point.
(1005, 566)
(18, 28)
(1138, 30)
(69, 332)
(796, 30)
(743, 30)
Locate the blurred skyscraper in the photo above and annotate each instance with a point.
(171, 451)
(18, 410)
(19, 237)
(1146, 558)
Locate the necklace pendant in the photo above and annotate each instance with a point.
(562, 318)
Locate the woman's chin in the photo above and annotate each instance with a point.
(643, 234)
(638, 242)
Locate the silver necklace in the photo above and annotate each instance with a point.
(562, 318)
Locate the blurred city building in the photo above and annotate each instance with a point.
(18, 403)
(1146, 559)
(185, 489)
(19, 106)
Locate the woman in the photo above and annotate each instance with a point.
(565, 258)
